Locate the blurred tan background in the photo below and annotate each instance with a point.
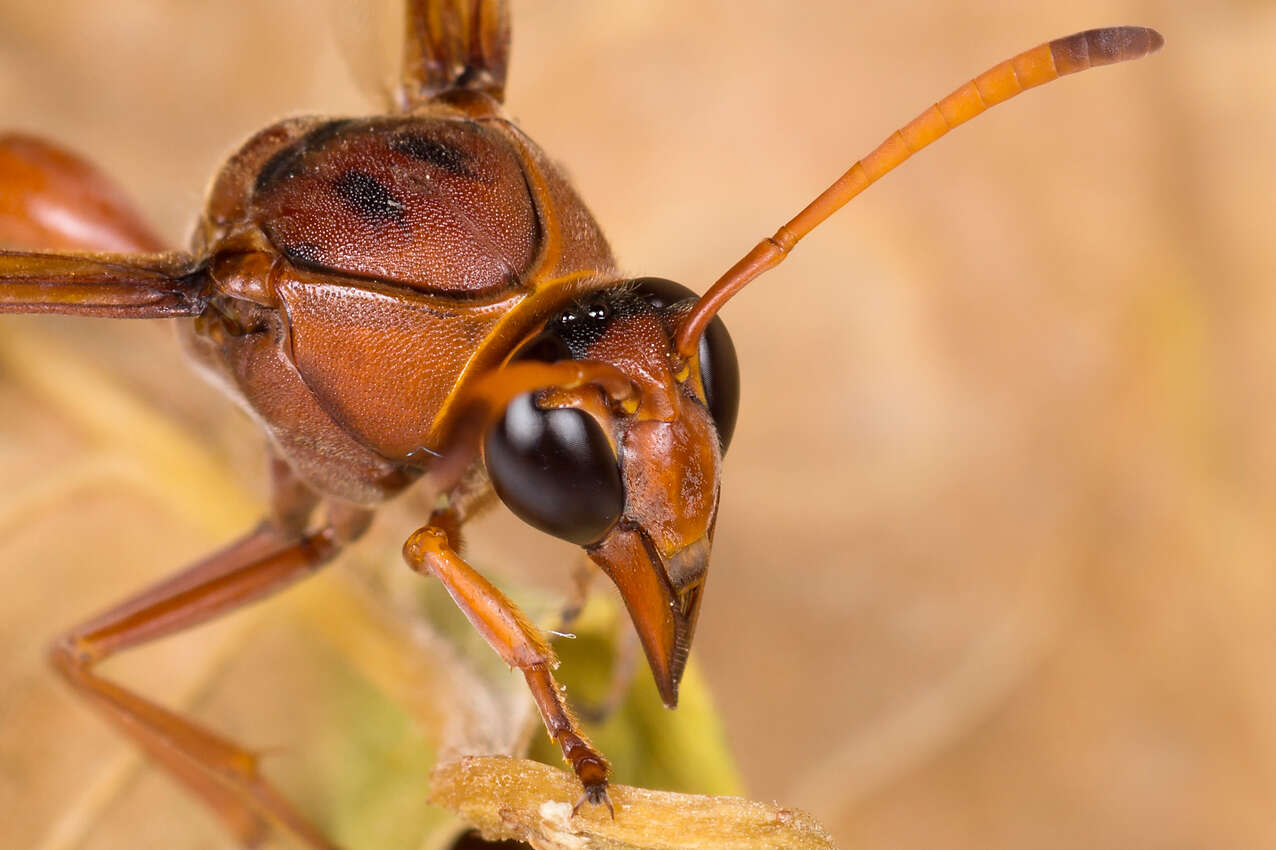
(994, 566)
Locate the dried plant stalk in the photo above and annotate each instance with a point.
(527, 801)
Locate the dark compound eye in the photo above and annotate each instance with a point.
(720, 374)
(661, 293)
(719, 368)
(547, 347)
(555, 470)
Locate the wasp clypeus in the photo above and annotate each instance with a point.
(424, 293)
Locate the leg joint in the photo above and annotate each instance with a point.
(69, 655)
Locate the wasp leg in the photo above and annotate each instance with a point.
(582, 578)
(429, 552)
(52, 200)
(624, 667)
(454, 45)
(113, 286)
(218, 771)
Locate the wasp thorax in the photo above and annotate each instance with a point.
(435, 204)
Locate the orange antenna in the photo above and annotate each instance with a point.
(1031, 68)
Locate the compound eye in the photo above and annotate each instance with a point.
(720, 374)
(662, 293)
(555, 470)
(719, 368)
(547, 347)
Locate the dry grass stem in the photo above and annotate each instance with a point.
(528, 801)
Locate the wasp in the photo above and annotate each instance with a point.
(420, 295)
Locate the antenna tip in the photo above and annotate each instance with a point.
(1106, 46)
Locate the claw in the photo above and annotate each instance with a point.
(595, 793)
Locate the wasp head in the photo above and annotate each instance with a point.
(635, 481)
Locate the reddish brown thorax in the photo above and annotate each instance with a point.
(364, 270)
(439, 205)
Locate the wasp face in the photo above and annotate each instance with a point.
(635, 484)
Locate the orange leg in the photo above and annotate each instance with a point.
(218, 771)
(52, 200)
(429, 552)
(113, 286)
